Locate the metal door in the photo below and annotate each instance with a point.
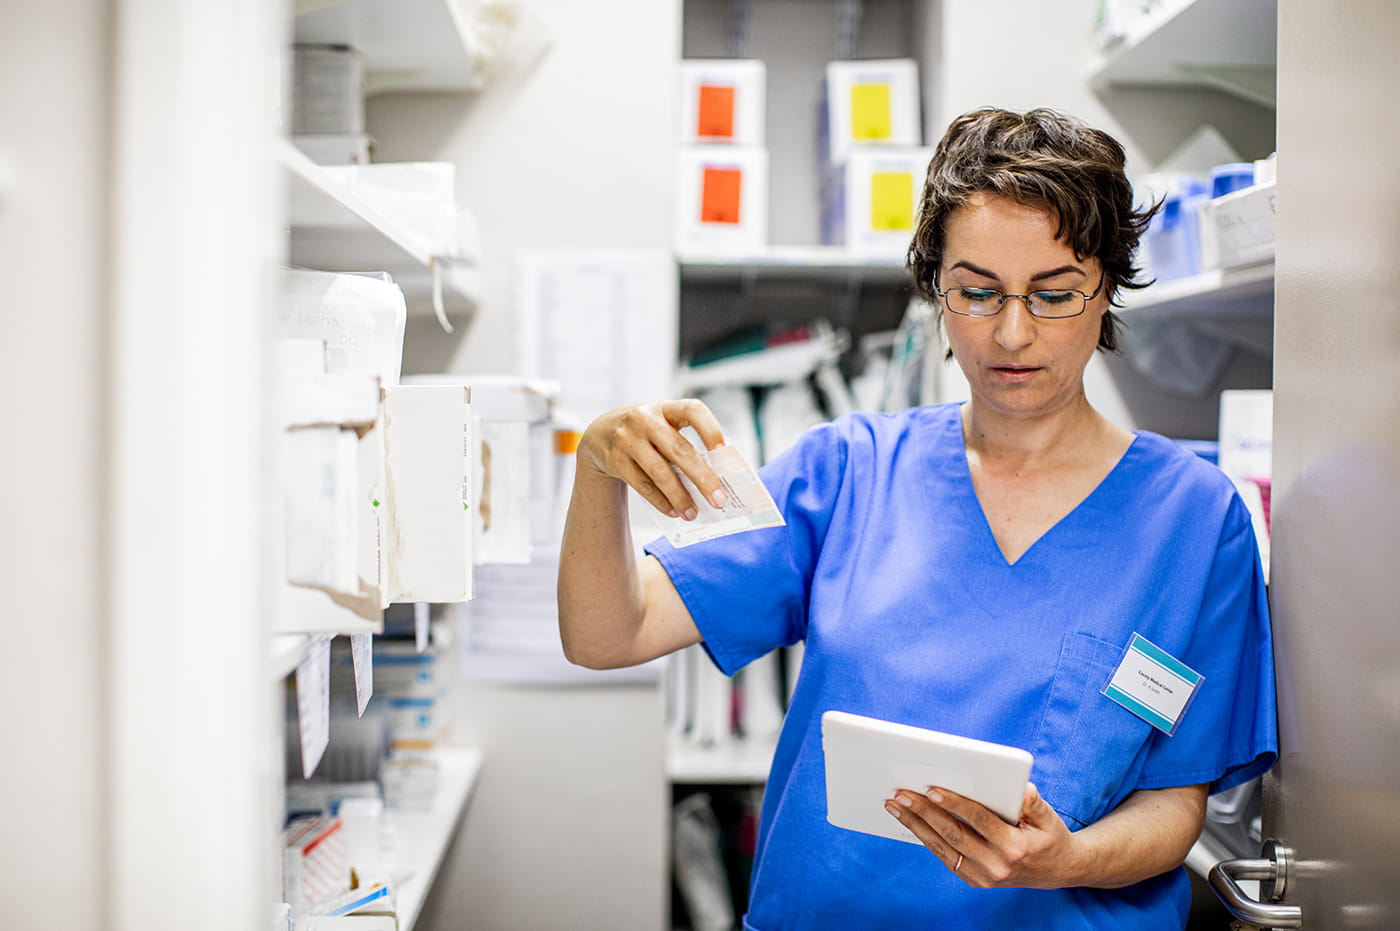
(1333, 803)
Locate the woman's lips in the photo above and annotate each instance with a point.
(1014, 373)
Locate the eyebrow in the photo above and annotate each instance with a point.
(1039, 276)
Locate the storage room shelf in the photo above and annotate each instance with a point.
(405, 45)
(334, 230)
(1235, 305)
(1245, 292)
(730, 762)
(420, 838)
(806, 262)
(1231, 45)
(289, 649)
(772, 366)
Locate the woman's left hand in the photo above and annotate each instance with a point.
(984, 851)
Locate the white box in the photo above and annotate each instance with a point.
(319, 481)
(328, 400)
(427, 443)
(873, 102)
(360, 318)
(371, 557)
(1238, 228)
(722, 101)
(721, 199)
(501, 483)
(349, 923)
(874, 200)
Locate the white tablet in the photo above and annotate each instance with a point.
(867, 760)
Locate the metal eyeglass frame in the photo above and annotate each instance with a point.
(1025, 299)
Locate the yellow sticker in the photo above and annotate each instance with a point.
(891, 200)
(870, 112)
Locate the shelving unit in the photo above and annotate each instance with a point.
(809, 263)
(406, 45)
(421, 838)
(1230, 45)
(332, 229)
(734, 762)
(1234, 304)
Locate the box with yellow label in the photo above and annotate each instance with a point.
(872, 201)
(873, 102)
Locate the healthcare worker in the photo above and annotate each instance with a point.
(987, 569)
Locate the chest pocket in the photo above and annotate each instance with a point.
(1087, 746)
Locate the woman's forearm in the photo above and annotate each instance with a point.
(1149, 834)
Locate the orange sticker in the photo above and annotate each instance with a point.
(716, 119)
(719, 195)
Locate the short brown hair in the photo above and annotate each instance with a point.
(1043, 159)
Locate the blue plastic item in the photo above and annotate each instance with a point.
(1173, 240)
(1232, 176)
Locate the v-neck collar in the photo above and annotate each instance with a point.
(957, 466)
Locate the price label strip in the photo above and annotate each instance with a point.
(748, 506)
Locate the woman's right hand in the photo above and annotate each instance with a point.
(640, 443)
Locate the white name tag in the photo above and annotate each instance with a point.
(1153, 684)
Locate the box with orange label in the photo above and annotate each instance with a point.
(721, 199)
(722, 101)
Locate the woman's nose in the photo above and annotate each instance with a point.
(1015, 324)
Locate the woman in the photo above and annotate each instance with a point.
(977, 568)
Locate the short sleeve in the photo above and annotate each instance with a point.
(1228, 734)
(749, 592)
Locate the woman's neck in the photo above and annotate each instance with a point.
(1015, 441)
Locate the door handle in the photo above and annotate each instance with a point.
(1273, 876)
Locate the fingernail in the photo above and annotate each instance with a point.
(690, 513)
(904, 800)
(934, 795)
(892, 809)
(719, 498)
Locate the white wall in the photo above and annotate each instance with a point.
(1042, 62)
(52, 237)
(567, 829)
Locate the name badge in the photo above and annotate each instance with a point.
(1153, 684)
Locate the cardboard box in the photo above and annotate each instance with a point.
(873, 102)
(722, 101)
(1238, 228)
(427, 442)
(872, 202)
(721, 199)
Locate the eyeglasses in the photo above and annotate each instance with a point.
(986, 302)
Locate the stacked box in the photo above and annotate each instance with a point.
(871, 157)
(722, 164)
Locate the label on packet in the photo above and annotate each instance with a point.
(748, 505)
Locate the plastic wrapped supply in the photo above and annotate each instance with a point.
(360, 318)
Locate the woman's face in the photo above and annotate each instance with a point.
(1014, 361)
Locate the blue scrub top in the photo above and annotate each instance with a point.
(889, 572)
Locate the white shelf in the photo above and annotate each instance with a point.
(421, 838)
(334, 230)
(1231, 45)
(1233, 304)
(405, 45)
(730, 762)
(808, 262)
(1242, 292)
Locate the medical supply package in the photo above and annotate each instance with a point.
(748, 506)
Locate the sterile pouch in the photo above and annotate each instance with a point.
(749, 505)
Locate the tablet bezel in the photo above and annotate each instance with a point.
(868, 759)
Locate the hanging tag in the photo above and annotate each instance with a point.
(314, 704)
(1153, 684)
(362, 656)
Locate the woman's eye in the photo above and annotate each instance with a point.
(1054, 297)
(980, 295)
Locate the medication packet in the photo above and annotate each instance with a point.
(749, 506)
